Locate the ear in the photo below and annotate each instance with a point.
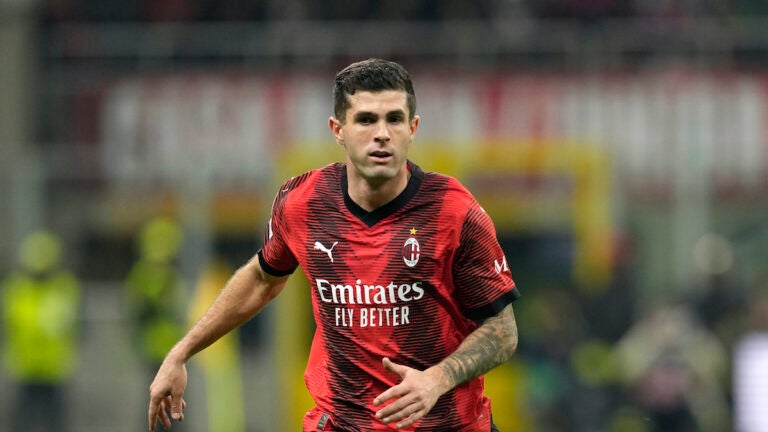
(335, 125)
(414, 125)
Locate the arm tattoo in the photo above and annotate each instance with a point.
(488, 346)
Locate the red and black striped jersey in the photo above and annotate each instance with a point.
(409, 281)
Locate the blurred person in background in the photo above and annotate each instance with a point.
(411, 290)
(40, 310)
(674, 369)
(556, 327)
(154, 292)
(722, 304)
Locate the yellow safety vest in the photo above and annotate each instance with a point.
(155, 296)
(40, 321)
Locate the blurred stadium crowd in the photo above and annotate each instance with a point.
(662, 186)
(427, 10)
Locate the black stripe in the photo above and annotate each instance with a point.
(271, 270)
(493, 308)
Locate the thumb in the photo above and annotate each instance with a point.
(394, 367)
(177, 405)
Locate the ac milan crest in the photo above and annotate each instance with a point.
(411, 251)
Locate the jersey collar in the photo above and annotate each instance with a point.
(371, 218)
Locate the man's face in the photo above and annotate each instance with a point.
(376, 134)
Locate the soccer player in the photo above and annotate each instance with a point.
(411, 291)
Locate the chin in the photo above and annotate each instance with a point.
(378, 172)
(382, 172)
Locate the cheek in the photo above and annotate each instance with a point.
(353, 149)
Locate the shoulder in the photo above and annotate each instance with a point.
(310, 177)
(449, 183)
(301, 186)
(14, 281)
(459, 205)
(449, 188)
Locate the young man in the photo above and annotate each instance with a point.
(411, 291)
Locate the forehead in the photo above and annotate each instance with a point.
(378, 102)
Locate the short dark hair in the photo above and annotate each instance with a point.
(371, 75)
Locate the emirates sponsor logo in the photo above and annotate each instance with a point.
(382, 305)
(360, 293)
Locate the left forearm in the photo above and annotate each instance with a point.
(490, 345)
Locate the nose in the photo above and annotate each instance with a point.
(382, 132)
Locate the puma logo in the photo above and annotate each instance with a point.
(319, 246)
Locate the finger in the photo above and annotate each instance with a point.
(165, 421)
(394, 367)
(406, 417)
(177, 403)
(397, 410)
(154, 409)
(411, 419)
(151, 416)
(390, 393)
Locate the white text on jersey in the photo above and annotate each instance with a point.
(361, 293)
(501, 267)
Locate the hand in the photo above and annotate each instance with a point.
(416, 394)
(167, 393)
(166, 405)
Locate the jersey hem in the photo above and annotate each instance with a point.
(494, 307)
(271, 270)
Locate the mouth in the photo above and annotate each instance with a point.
(380, 156)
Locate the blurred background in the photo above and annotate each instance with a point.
(619, 145)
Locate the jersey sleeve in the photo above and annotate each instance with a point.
(275, 255)
(484, 283)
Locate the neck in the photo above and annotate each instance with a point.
(371, 194)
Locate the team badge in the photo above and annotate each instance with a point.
(411, 251)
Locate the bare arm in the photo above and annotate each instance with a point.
(490, 345)
(244, 295)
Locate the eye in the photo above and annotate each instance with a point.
(366, 120)
(396, 118)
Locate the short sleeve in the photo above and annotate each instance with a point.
(482, 277)
(275, 256)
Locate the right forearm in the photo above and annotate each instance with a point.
(244, 295)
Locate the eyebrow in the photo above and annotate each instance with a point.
(367, 114)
